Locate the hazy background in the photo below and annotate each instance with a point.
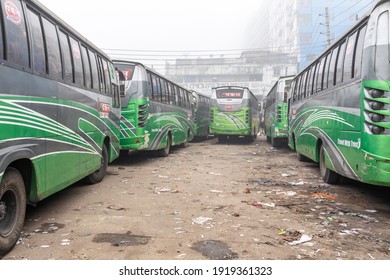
(159, 25)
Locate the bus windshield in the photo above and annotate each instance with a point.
(229, 93)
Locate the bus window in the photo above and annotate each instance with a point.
(332, 65)
(320, 74)
(381, 64)
(106, 77)
(53, 50)
(38, 48)
(340, 63)
(15, 28)
(77, 62)
(1, 39)
(94, 70)
(357, 62)
(102, 85)
(86, 67)
(66, 58)
(347, 72)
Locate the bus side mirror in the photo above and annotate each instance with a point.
(122, 83)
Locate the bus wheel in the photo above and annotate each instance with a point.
(275, 142)
(164, 152)
(222, 138)
(302, 158)
(185, 143)
(99, 174)
(12, 209)
(329, 176)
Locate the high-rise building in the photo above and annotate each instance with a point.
(303, 28)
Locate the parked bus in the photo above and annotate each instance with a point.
(156, 112)
(60, 111)
(275, 112)
(202, 115)
(340, 106)
(234, 112)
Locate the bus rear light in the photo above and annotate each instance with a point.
(375, 93)
(377, 129)
(376, 105)
(228, 107)
(376, 117)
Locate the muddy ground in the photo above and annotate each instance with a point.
(237, 200)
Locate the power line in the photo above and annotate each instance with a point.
(347, 9)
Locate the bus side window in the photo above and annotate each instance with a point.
(86, 67)
(94, 70)
(349, 57)
(107, 79)
(77, 62)
(38, 48)
(16, 33)
(340, 63)
(357, 62)
(150, 89)
(54, 66)
(320, 75)
(326, 72)
(332, 68)
(1, 38)
(66, 57)
(102, 83)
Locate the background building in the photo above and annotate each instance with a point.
(303, 28)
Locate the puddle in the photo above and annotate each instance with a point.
(120, 239)
(214, 250)
(50, 227)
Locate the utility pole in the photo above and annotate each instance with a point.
(327, 26)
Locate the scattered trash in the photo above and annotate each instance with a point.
(349, 232)
(304, 238)
(65, 242)
(371, 211)
(213, 173)
(214, 250)
(201, 220)
(288, 193)
(247, 190)
(324, 195)
(160, 190)
(216, 191)
(45, 246)
(330, 219)
(300, 183)
(162, 176)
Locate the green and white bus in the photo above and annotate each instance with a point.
(339, 114)
(275, 112)
(156, 112)
(234, 112)
(202, 115)
(59, 111)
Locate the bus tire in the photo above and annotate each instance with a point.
(329, 176)
(185, 143)
(275, 142)
(222, 139)
(164, 152)
(99, 174)
(12, 209)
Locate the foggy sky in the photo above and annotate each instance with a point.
(159, 25)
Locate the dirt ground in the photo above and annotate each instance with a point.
(245, 201)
